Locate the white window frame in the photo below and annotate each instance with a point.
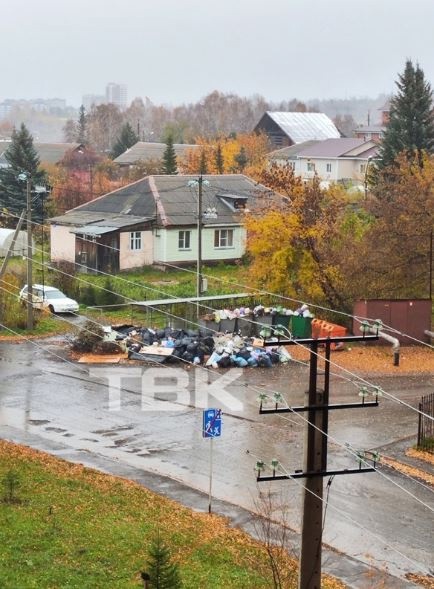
(328, 168)
(223, 238)
(310, 167)
(135, 241)
(362, 168)
(184, 240)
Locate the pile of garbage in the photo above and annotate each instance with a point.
(258, 311)
(221, 350)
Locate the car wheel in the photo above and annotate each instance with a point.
(51, 308)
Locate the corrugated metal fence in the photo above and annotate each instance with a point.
(425, 433)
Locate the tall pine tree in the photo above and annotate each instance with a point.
(170, 165)
(126, 139)
(219, 160)
(22, 158)
(203, 164)
(82, 126)
(162, 572)
(411, 125)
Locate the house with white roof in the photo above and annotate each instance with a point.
(288, 128)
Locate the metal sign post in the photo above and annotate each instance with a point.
(211, 428)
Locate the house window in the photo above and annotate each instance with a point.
(310, 167)
(184, 240)
(328, 167)
(362, 168)
(136, 240)
(224, 238)
(291, 165)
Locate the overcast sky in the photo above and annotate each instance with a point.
(177, 51)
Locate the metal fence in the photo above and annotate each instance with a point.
(425, 433)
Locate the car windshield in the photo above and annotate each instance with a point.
(54, 294)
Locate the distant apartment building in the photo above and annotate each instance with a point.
(116, 94)
(48, 105)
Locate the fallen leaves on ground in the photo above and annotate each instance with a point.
(421, 580)
(379, 359)
(408, 470)
(421, 455)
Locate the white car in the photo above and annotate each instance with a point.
(48, 297)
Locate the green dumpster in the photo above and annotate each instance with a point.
(301, 327)
(284, 320)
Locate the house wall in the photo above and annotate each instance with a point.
(274, 133)
(135, 258)
(341, 168)
(166, 245)
(62, 243)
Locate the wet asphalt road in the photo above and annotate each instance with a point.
(154, 424)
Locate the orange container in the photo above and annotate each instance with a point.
(316, 328)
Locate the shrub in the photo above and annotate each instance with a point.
(88, 296)
(106, 295)
(65, 280)
(13, 312)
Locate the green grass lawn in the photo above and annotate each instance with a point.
(77, 528)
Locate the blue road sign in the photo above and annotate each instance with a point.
(212, 423)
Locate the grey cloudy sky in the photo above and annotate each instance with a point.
(177, 51)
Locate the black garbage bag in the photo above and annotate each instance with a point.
(193, 333)
(192, 348)
(187, 357)
(208, 342)
(225, 362)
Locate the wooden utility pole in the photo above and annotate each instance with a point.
(29, 254)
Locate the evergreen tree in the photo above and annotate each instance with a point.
(22, 158)
(82, 126)
(219, 161)
(203, 166)
(170, 165)
(241, 159)
(411, 125)
(162, 572)
(126, 139)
